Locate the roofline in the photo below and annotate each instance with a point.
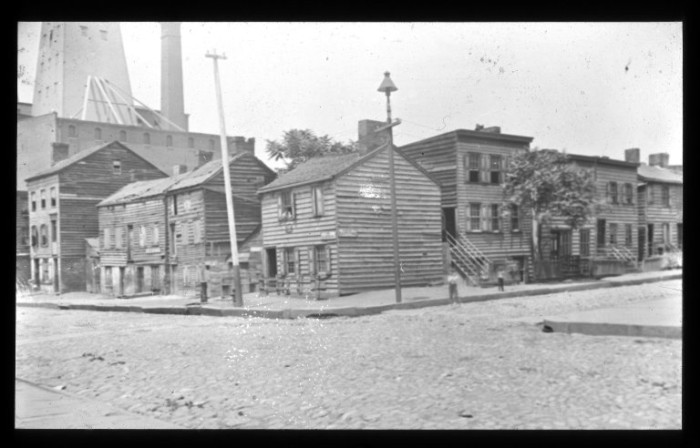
(475, 134)
(48, 171)
(602, 160)
(354, 165)
(660, 181)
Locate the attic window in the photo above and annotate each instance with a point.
(116, 167)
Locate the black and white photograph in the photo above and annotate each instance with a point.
(349, 225)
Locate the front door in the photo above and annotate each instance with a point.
(449, 224)
(56, 283)
(601, 233)
(641, 240)
(122, 270)
(139, 279)
(271, 261)
(650, 240)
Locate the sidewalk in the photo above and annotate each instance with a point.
(37, 407)
(283, 307)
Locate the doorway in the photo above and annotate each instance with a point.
(641, 239)
(271, 261)
(121, 281)
(601, 233)
(650, 240)
(56, 282)
(37, 272)
(139, 279)
(449, 224)
(679, 235)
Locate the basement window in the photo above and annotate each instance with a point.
(116, 167)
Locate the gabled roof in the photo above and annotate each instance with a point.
(149, 188)
(329, 167)
(65, 163)
(658, 174)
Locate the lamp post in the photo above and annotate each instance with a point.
(387, 86)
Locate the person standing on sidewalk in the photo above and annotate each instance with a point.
(500, 280)
(452, 279)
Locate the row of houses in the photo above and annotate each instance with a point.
(108, 220)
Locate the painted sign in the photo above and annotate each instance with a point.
(328, 235)
(153, 250)
(370, 191)
(347, 233)
(255, 249)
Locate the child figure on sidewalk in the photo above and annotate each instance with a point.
(500, 280)
(452, 280)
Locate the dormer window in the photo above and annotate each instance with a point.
(116, 167)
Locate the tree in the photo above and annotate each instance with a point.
(300, 145)
(547, 185)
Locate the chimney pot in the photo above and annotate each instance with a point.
(659, 159)
(60, 152)
(632, 155)
(368, 139)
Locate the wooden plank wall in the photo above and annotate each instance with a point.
(190, 255)
(437, 156)
(247, 215)
(656, 213)
(304, 232)
(497, 246)
(364, 215)
(78, 220)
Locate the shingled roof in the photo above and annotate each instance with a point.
(658, 174)
(313, 170)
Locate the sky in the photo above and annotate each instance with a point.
(587, 88)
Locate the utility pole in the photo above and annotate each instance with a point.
(238, 297)
(387, 86)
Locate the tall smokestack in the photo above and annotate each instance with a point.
(172, 101)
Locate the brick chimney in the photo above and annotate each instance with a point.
(179, 169)
(204, 157)
(240, 144)
(659, 159)
(632, 155)
(368, 140)
(60, 152)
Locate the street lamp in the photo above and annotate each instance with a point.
(387, 86)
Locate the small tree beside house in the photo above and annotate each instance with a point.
(543, 184)
(299, 145)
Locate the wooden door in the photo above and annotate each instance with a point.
(641, 240)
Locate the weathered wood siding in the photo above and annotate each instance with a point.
(365, 253)
(437, 156)
(304, 232)
(654, 212)
(188, 255)
(246, 211)
(497, 246)
(78, 220)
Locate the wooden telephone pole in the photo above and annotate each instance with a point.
(238, 297)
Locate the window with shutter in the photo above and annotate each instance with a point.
(484, 169)
(613, 233)
(297, 261)
(613, 192)
(495, 218)
(496, 168)
(118, 237)
(486, 218)
(469, 217)
(475, 216)
(317, 200)
(142, 236)
(283, 264)
(474, 167)
(514, 218)
(312, 260)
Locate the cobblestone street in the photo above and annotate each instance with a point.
(482, 365)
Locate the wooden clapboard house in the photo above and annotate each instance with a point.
(607, 243)
(479, 235)
(62, 211)
(161, 236)
(660, 207)
(330, 219)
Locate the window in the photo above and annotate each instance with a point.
(585, 242)
(156, 234)
(474, 217)
(53, 231)
(473, 166)
(197, 230)
(290, 260)
(35, 237)
(118, 237)
(117, 167)
(286, 209)
(600, 240)
(317, 200)
(107, 240)
(665, 196)
(122, 136)
(190, 142)
(666, 229)
(44, 235)
(83, 30)
(613, 233)
(52, 196)
(146, 138)
(43, 199)
(103, 34)
(629, 194)
(628, 235)
(612, 192)
(496, 168)
(33, 195)
(173, 238)
(174, 204)
(72, 131)
(98, 134)
(142, 236)
(168, 140)
(495, 218)
(650, 194)
(514, 218)
(320, 261)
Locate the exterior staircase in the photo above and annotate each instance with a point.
(621, 253)
(467, 259)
